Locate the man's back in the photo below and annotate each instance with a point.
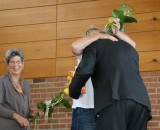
(113, 67)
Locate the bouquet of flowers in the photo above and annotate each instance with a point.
(124, 13)
(48, 105)
(69, 78)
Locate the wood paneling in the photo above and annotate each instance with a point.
(64, 65)
(32, 50)
(149, 61)
(45, 29)
(71, 1)
(145, 23)
(85, 10)
(64, 48)
(97, 9)
(35, 68)
(11, 4)
(28, 16)
(73, 29)
(28, 33)
(146, 41)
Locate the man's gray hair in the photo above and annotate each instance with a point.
(90, 29)
(13, 52)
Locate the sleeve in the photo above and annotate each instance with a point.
(83, 72)
(4, 112)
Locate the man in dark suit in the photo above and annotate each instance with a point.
(120, 97)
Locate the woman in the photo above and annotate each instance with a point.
(15, 94)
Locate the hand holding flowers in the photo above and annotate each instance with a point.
(124, 14)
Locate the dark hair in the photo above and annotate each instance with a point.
(12, 53)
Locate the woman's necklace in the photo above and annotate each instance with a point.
(15, 83)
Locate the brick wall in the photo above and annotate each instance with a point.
(48, 88)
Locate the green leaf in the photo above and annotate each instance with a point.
(42, 106)
(127, 11)
(118, 14)
(66, 103)
(128, 19)
(50, 111)
(34, 118)
(121, 25)
(54, 100)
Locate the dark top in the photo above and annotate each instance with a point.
(12, 101)
(114, 70)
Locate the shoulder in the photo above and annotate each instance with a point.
(3, 78)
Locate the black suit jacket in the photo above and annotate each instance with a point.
(114, 70)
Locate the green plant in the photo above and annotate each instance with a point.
(124, 13)
(48, 106)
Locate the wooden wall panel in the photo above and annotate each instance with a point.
(71, 1)
(146, 22)
(35, 68)
(146, 41)
(28, 16)
(149, 61)
(102, 8)
(64, 65)
(12, 4)
(28, 33)
(45, 29)
(71, 29)
(32, 50)
(85, 10)
(64, 47)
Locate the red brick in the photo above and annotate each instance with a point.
(35, 96)
(151, 90)
(157, 96)
(154, 84)
(40, 90)
(150, 79)
(56, 126)
(43, 126)
(155, 73)
(145, 74)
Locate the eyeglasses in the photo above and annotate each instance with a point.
(13, 62)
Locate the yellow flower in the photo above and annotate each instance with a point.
(66, 91)
(69, 78)
(71, 73)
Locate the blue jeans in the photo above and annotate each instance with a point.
(83, 119)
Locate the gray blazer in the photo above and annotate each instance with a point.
(12, 101)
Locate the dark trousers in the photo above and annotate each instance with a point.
(123, 115)
(83, 119)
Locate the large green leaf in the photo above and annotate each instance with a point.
(128, 19)
(66, 103)
(42, 106)
(34, 118)
(54, 100)
(118, 14)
